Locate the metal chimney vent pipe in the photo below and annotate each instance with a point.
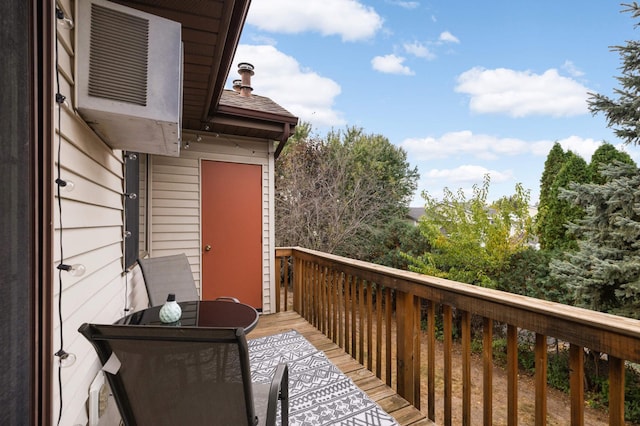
(245, 70)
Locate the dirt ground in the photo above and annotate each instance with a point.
(558, 403)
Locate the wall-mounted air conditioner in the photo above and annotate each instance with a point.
(129, 77)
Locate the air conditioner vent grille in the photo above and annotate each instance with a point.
(118, 63)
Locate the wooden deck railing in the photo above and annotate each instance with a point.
(376, 313)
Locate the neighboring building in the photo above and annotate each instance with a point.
(414, 215)
(203, 181)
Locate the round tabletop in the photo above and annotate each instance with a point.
(201, 313)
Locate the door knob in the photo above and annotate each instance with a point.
(207, 247)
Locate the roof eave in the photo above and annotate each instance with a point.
(234, 20)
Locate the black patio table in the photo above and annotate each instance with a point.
(200, 313)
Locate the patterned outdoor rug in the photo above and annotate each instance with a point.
(319, 393)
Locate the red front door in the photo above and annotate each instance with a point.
(232, 231)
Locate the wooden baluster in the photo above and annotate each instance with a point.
(354, 324)
(298, 272)
(541, 380)
(336, 307)
(280, 273)
(311, 292)
(323, 304)
(512, 375)
(466, 368)
(487, 373)
(431, 361)
(312, 295)
(287, 272)
(576, 380)
(379, 293)
(318, 303)
(388, 331)
(447, 326)
(347, 303)
(340, 308)
(369, 336)
(417, 350)
(331, 307)
(361, 322)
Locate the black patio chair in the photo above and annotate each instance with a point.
(186, 376)
(168, 274)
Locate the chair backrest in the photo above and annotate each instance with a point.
(177, 375)
(168, 274)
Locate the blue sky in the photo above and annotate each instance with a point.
(465, 87)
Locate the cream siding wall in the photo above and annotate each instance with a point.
(175, 199)
(91, 234)
(175, 209)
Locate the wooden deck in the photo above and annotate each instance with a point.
(399, 408)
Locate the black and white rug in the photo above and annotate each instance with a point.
(319, 393)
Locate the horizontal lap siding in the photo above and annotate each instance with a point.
(92, 232)
(175, 209)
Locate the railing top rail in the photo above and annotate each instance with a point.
(616, 335)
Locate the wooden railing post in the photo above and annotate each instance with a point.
(616, 391)
(406, 368)
(576, 380)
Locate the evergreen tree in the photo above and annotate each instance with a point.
(606, 154)
(604, 273)
(553, 230)
(527, 273)
(623, 114)
(552, 165)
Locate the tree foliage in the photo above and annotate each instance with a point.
(472, 241)
(552, 165)
(604, 273)
(551, 225)
(527, 273)
(336, 194)
(623, 113)
(606, 154)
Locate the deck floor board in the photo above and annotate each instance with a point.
(404, 413)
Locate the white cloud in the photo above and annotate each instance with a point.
(447, 37)
(350, 19)
(418, 49)
(489, 147)
(462, 178)
(455, 144)
(405, 4)
(263, 39)
(469, 174)
(390, 64)
(570, 67)
(302, 92)
(522, 93)
(583, 147)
